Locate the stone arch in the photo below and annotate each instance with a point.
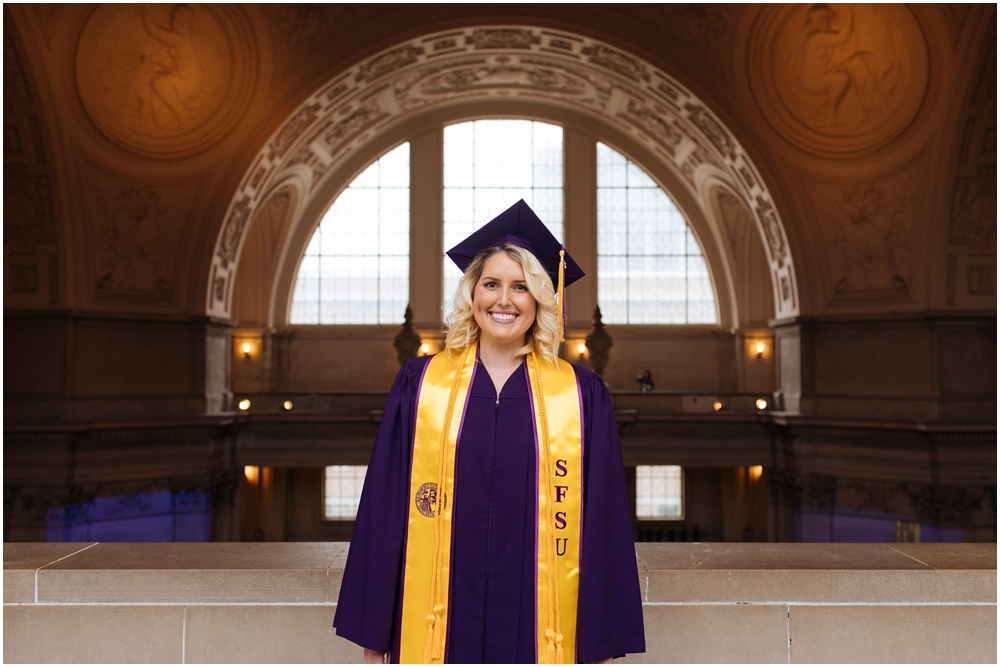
(518, 71)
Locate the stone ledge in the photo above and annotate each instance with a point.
(677, 573)
(274, 602)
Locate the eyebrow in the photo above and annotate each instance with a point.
(498, 279)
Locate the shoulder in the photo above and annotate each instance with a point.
(411, 372)
(592, 387)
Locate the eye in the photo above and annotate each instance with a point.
(521, 288)
(490, 284)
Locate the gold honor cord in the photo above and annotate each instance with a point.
(558, 427)
(432, 479)
(444, 388)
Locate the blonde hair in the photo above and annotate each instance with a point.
(543, 334)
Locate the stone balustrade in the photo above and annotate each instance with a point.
(274, 602)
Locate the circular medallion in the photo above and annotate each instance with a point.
(838, 78)
(426, 499)
(165, 79)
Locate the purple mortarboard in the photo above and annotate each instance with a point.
(519, 226)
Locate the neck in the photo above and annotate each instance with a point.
(499, 355)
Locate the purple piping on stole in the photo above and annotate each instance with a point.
(534, 430)
(583, 429)
(458, 439)
(406, 526)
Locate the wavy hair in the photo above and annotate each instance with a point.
(543, 334)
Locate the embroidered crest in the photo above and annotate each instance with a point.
(426, 499)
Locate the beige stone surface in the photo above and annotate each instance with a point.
(20, 561)
(713, 633)
(888, 633)
(219, 572)
(963, 556)
(33, 633)
(773, 556)
(278, 633)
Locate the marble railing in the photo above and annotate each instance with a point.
(274, 602)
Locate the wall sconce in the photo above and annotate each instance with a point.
(244, 405)
(581, 349)
(287, 405)
(252, 473)
(717, 406)
(755, 472)
(247, 349)
(761, 404)
(760, 347)
(425, 349)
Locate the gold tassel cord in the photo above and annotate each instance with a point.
(433, 649)
(561, 291)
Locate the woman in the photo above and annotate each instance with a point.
(494, 524)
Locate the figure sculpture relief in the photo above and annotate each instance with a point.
(842, 77)
(163, 77)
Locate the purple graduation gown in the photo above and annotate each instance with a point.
(492, 593)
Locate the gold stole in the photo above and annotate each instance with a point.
(559, 447)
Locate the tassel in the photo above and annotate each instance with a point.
(550, 653)
(560, 656)
(438, 642)
(561, 289)
(429, 639)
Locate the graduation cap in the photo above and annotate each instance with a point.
(519, 226)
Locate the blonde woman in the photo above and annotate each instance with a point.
(494, 524)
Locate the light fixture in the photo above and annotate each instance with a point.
(581, 348)
(247, 348)
(252, 473)
(717, 406)
(244, 404)
(755, 472)
(425, 348)
(287, 405)
(760, 347)
(761, 404)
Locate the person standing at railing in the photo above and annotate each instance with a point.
(494, 525)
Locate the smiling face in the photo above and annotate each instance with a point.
(501, 303)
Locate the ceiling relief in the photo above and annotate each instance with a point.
(502, 64)
(837, 79)
(165, 80)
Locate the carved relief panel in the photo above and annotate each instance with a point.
(30, 214)
(972, 231)
(135, 233)
(868, 228)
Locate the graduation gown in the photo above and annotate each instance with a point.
(491, 614)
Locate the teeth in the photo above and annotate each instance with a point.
(503, 317)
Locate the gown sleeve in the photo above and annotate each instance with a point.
(369, 591)
(609, 618)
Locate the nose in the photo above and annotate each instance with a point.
(504, 299)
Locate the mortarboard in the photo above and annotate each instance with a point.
(519, 226)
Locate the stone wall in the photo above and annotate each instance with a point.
(701, 603)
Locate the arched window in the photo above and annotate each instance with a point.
(356, 267)
(650, 268)
(489, 165)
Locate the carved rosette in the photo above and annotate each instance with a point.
(838, 79)
(509, 64)
(166, 80)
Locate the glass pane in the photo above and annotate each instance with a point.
(658, 492)
(658, 273)
(342, 492)
(489, 165)
(356, 267)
